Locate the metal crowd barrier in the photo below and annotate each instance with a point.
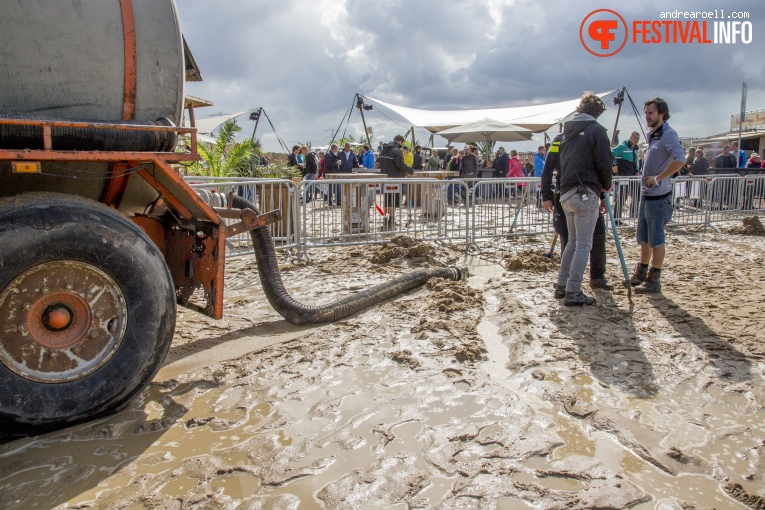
(507, 207)
(733, 197)
(461, 211)
(698, 200)
(428, 209)
(268, 195)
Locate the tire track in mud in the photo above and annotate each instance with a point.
(446, 397)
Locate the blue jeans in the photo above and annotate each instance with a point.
(653, 215)
(581, 217)
(598, 250)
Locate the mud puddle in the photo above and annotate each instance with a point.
(578, 441)
(478, 394)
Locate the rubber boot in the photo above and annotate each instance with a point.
(639, 275)
(560, 291)
(578, 299)
(652, 283)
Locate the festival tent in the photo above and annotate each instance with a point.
(537, 118)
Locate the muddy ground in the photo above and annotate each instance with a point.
(480, 394)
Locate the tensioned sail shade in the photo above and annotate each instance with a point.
(537, 118)
(209, 124)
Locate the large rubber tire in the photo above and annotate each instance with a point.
(49, 228)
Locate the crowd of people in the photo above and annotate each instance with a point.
(576, 172)
(466, 161)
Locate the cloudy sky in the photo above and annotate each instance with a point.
(303, 61)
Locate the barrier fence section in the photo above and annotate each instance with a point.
(698, 200)
(507, 207)
(370, 211)
(363, 211)
(625, 200)
(733, 197)
(689, 201)
(268, 195)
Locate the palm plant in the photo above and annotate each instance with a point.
(227, 157)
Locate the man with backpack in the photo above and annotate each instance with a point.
(392, 164)
(585, 172)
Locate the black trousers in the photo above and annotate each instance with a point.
(598, 251)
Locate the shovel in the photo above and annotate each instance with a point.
(627, 281)
(552, 247)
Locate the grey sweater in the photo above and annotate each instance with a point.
(663, 148)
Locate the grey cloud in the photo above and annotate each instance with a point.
(442, 55)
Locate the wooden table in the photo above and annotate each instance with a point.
(436, 174)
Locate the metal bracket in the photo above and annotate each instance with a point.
(250, 219)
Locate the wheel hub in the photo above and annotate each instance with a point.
(57, 318)
(65, 319)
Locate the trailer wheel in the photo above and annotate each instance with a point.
(87, 311)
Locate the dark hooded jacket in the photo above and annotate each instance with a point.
(392, 161)
(585, 155)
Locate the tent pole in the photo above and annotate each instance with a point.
(257, 119)
(412, 140)
(620, 98)
(359, 105)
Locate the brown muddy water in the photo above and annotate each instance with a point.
(480, 394)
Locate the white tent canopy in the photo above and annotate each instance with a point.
(537, 118)
(208, 125)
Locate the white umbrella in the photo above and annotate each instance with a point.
(486, 130)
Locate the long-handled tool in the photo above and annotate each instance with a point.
(627, 279)
(519, 209)
(552, 247)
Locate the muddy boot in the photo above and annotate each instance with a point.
(652, 283)
(640, 274)
(560, 291)
(578, 299)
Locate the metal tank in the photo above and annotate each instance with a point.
(76, 66)
(107, 60)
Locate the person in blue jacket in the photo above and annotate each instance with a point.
(367, 158)
(539, 161)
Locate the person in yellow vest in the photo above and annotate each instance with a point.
(408, 156)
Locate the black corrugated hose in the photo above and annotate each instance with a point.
(298, 313)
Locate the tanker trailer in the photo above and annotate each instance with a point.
(100, 237)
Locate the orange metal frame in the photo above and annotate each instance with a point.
(192, 261)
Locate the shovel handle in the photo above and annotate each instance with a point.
(619, 246)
